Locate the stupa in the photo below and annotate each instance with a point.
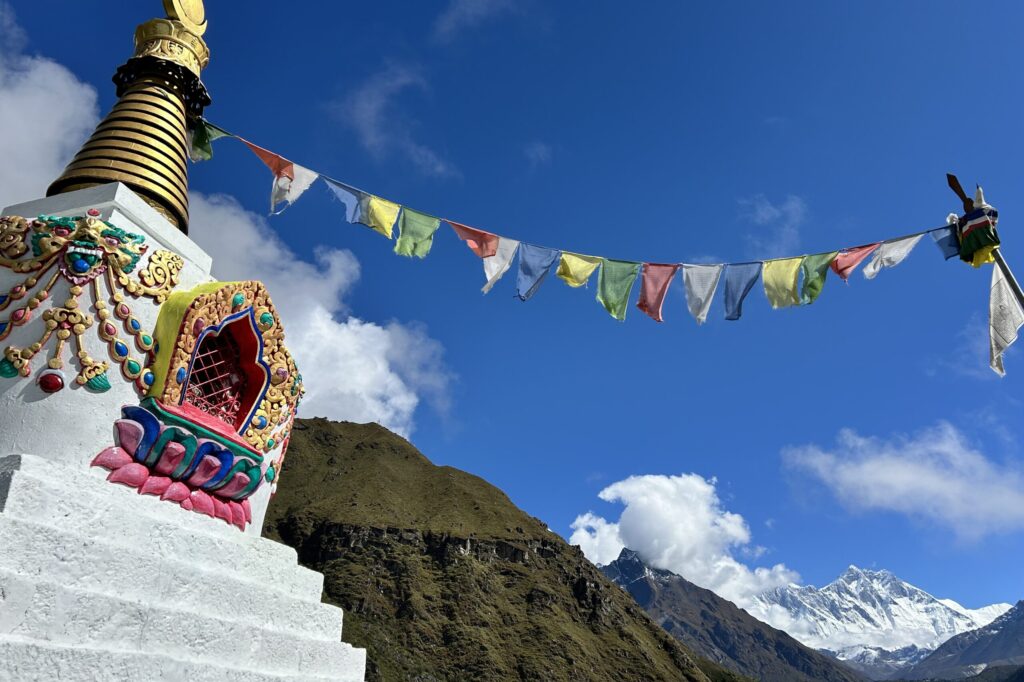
(145, 411)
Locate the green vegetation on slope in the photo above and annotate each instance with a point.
(443, 578)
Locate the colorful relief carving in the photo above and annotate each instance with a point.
(222, 396)
(88, 253)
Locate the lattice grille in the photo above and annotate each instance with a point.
(216, 385)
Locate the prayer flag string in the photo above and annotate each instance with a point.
(787, 282)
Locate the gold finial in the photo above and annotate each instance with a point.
(191, 13)
(143, 141)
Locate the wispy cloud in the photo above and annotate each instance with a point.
(537, 153)
(779, 222)
(935, 476)
(679, 523)
(969, 356)
(464, 15)
(370, 110)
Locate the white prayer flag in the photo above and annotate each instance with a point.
(290, 189)
(1005, 318)
(701, 282)
(890, 254)
(497, 265)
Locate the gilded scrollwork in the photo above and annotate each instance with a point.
(84, 251)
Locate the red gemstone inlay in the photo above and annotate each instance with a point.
(51, 383)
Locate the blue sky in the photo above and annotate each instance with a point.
(677, 132)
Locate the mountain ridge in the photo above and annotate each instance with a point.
(999, 643)
(718, 629)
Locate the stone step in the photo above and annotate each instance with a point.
(93, 480)
(89, 506)
(29, 661)
(52, 614)
(41, 552)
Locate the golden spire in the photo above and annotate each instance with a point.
(143, 140)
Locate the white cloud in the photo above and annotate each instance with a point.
(678, 523)
(353, 369)
(537, 153)
(370, 111)
(781, 223)
(935, 476)
(970, 355)
(462, 15)
(45, 114)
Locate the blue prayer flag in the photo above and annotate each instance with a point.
(740, 278)
(534, 264)
(355, 201)
(947, 242)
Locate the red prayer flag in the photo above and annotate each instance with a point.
(848, 260)
(654, 287)
(277, 164)
(483, 244)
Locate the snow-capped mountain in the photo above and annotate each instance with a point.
(871, 619)
(1000, 643)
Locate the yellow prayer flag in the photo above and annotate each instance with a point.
(780, 281)
(575, 269)
(381, 215)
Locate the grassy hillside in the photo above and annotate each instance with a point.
(443, 578)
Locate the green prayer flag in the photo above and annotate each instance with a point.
(614, 285)
(815, 270)
(201, 139)
(415, 233)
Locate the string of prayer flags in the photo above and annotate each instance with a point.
(1006, 316)
(534, 264)
(740, 278)
(947, 240)
(364, 208)
(290, 179)
(701, 282)
(497, 265)
(815, 270)
(483, 244)
(415, 233)
(575, 269)
(781, 278)
(654, 282)
(972, 236)
(614, 284)
(201, 138)
(848, 260)
(890, 254)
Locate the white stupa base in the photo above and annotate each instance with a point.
(98, 582)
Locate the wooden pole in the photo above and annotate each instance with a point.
(1014, 285)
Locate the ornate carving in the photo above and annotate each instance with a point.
(172, 41)
(158, 279)
(80, 250)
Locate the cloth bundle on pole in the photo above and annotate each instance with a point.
(976, 228)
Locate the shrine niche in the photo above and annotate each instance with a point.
(214, 424)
